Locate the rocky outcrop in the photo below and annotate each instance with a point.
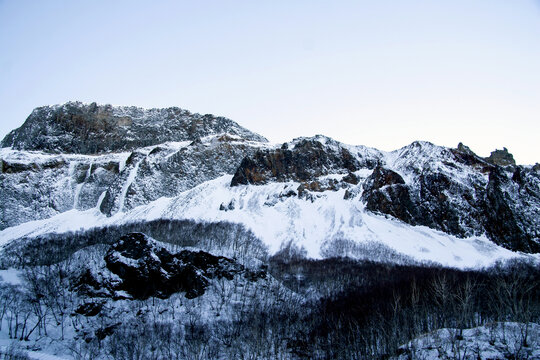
(448, 190)
(501, 158)
(164, 173)
(385, 192)
(464, 155)
(93, 129)
(41, 186)
(304, 161)
(512, 209)
(148, 270)
(507, 209)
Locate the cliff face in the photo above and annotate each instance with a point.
(114, 159)
(452, 190)
(78, 128)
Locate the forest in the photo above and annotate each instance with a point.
(330, 308)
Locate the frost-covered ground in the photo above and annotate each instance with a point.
(64, 333)
(278, 219)
(504, 340)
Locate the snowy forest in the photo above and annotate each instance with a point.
(283, 306)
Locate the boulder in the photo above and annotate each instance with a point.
(148, 270)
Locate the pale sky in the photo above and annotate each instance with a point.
(379, 73)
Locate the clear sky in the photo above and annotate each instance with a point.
(379, 73)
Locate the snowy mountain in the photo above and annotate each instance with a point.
(310, 192)
(79, 128)
(130, 234)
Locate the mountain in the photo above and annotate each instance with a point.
(130, 233)
(68, 157)
(67, 166)
(78, 128)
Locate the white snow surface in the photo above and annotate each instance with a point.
(279, 219)
(503, 340)
(11, 276)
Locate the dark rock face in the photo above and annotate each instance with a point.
(464, 155)
(447, 205)
(308, 160)
(501, 158)
(92, 129)
(147, 269)
(385, 191)
(90, 308)
(159, 175)
(509, 216)
(507, 209)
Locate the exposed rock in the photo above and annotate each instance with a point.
(447, 205)
(92, 129)
(466, 156)
(147, 270)
(501, 158)
(385, 191)
(228, 207)
(308, 160)
(512, 209)
(350, 178)
(167, 173)
(90, 308)
(43, 186)
(507, 208)
(465, 149)
(92, 285)
(103, 332)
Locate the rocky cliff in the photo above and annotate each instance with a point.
(78, 128)
(116, 159)
(452, 190)
(169, 151)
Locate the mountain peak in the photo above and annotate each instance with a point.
(501, 158)
(76, 127)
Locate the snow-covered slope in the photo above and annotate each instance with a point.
(505, 340)
(37, 185)
(423, 201)
(325, 225)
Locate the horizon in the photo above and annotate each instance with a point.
(381, 75)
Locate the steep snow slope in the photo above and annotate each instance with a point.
(37, 185)
(323, 225)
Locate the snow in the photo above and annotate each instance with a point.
(79, 187)
(495, 341)
(127, 184)
(72, 220)
(100, 200)
(277, 220)
(10, 346)
(11, 276)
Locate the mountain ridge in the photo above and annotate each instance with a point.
(452, 190)
(75, 127)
